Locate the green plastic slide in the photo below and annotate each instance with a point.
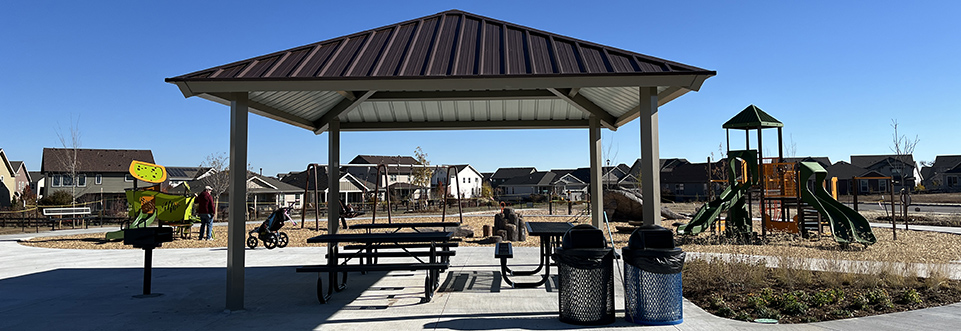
(732, 199)
(847, 225)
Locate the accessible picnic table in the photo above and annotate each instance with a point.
(550, 237)
(430, 250)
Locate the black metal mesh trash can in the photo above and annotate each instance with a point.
(652, 277)
(585, 269)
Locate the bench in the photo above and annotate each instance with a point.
(434, 246)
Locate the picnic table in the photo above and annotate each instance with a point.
(430, 251)
(396, 227)
(549, 234)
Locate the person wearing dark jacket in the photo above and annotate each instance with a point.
(206, 213)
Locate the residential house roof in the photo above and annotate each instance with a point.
(263, 184)
(541, 178)
(752, 117)
(18, 167)
(386, 160)
(93, 160)
(945, 164)
(184, 173)
(508, 173)
(6, 162)
(304, 180)
(844, 170)
(869, 161)
(685, 173)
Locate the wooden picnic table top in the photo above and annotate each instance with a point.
(382, 237)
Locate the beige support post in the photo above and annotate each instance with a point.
(597, 191)
(650, 157)
(237, 200)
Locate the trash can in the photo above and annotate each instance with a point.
(585, 269)
(652, 277)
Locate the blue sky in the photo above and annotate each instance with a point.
(836, 73)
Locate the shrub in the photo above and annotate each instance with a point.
(880, 298)
(911, 296)
(859, 302)
(58, 198)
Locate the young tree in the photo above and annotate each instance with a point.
(903, 148)
(69, 160)
(422, 174)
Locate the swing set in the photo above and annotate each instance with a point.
(312, 192)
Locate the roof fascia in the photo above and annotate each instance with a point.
(196, 86)
(463, 125)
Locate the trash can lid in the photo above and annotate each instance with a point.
(584, 236)
(651, 237)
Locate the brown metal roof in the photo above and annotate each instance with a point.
(93, 160)
(450, 70)
(451, 43)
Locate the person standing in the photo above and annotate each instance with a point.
(206, 213)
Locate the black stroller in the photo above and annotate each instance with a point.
(268, 231)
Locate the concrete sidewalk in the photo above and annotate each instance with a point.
(44, 289)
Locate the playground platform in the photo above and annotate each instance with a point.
(45, 289)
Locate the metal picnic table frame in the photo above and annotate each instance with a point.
(550, 237)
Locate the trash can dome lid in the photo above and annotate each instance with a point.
(651, 237)
(583, 236)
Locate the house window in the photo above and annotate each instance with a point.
(67, 180)
(883, 185)
(128, 178)
(678, 188)
(952, 181)
(81, 180)
(56, 180)
(99, 179)
(864, 186)
(393, 178)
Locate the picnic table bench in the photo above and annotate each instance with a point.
(430, 250)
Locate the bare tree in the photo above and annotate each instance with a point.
(69, 159)
(903, 148)
(217, 177)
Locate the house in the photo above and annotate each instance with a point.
(36, 183)
(900, 168)
(944, 175)
(504, 174)
(92, 174)
(524, 188)
(398, 170)
(569, 186)
(352, 189)
(469, 181)
(8, 181)
(685, 181)
(264, 194)
(22, 178)
(845, 173)
(179, 175)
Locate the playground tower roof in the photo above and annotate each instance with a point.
(752, 117)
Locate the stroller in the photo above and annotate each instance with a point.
(268, 231)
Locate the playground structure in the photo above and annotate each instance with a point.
(312, 193)
(779, 187)
(149, 205)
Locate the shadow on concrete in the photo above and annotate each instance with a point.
(276, 298)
